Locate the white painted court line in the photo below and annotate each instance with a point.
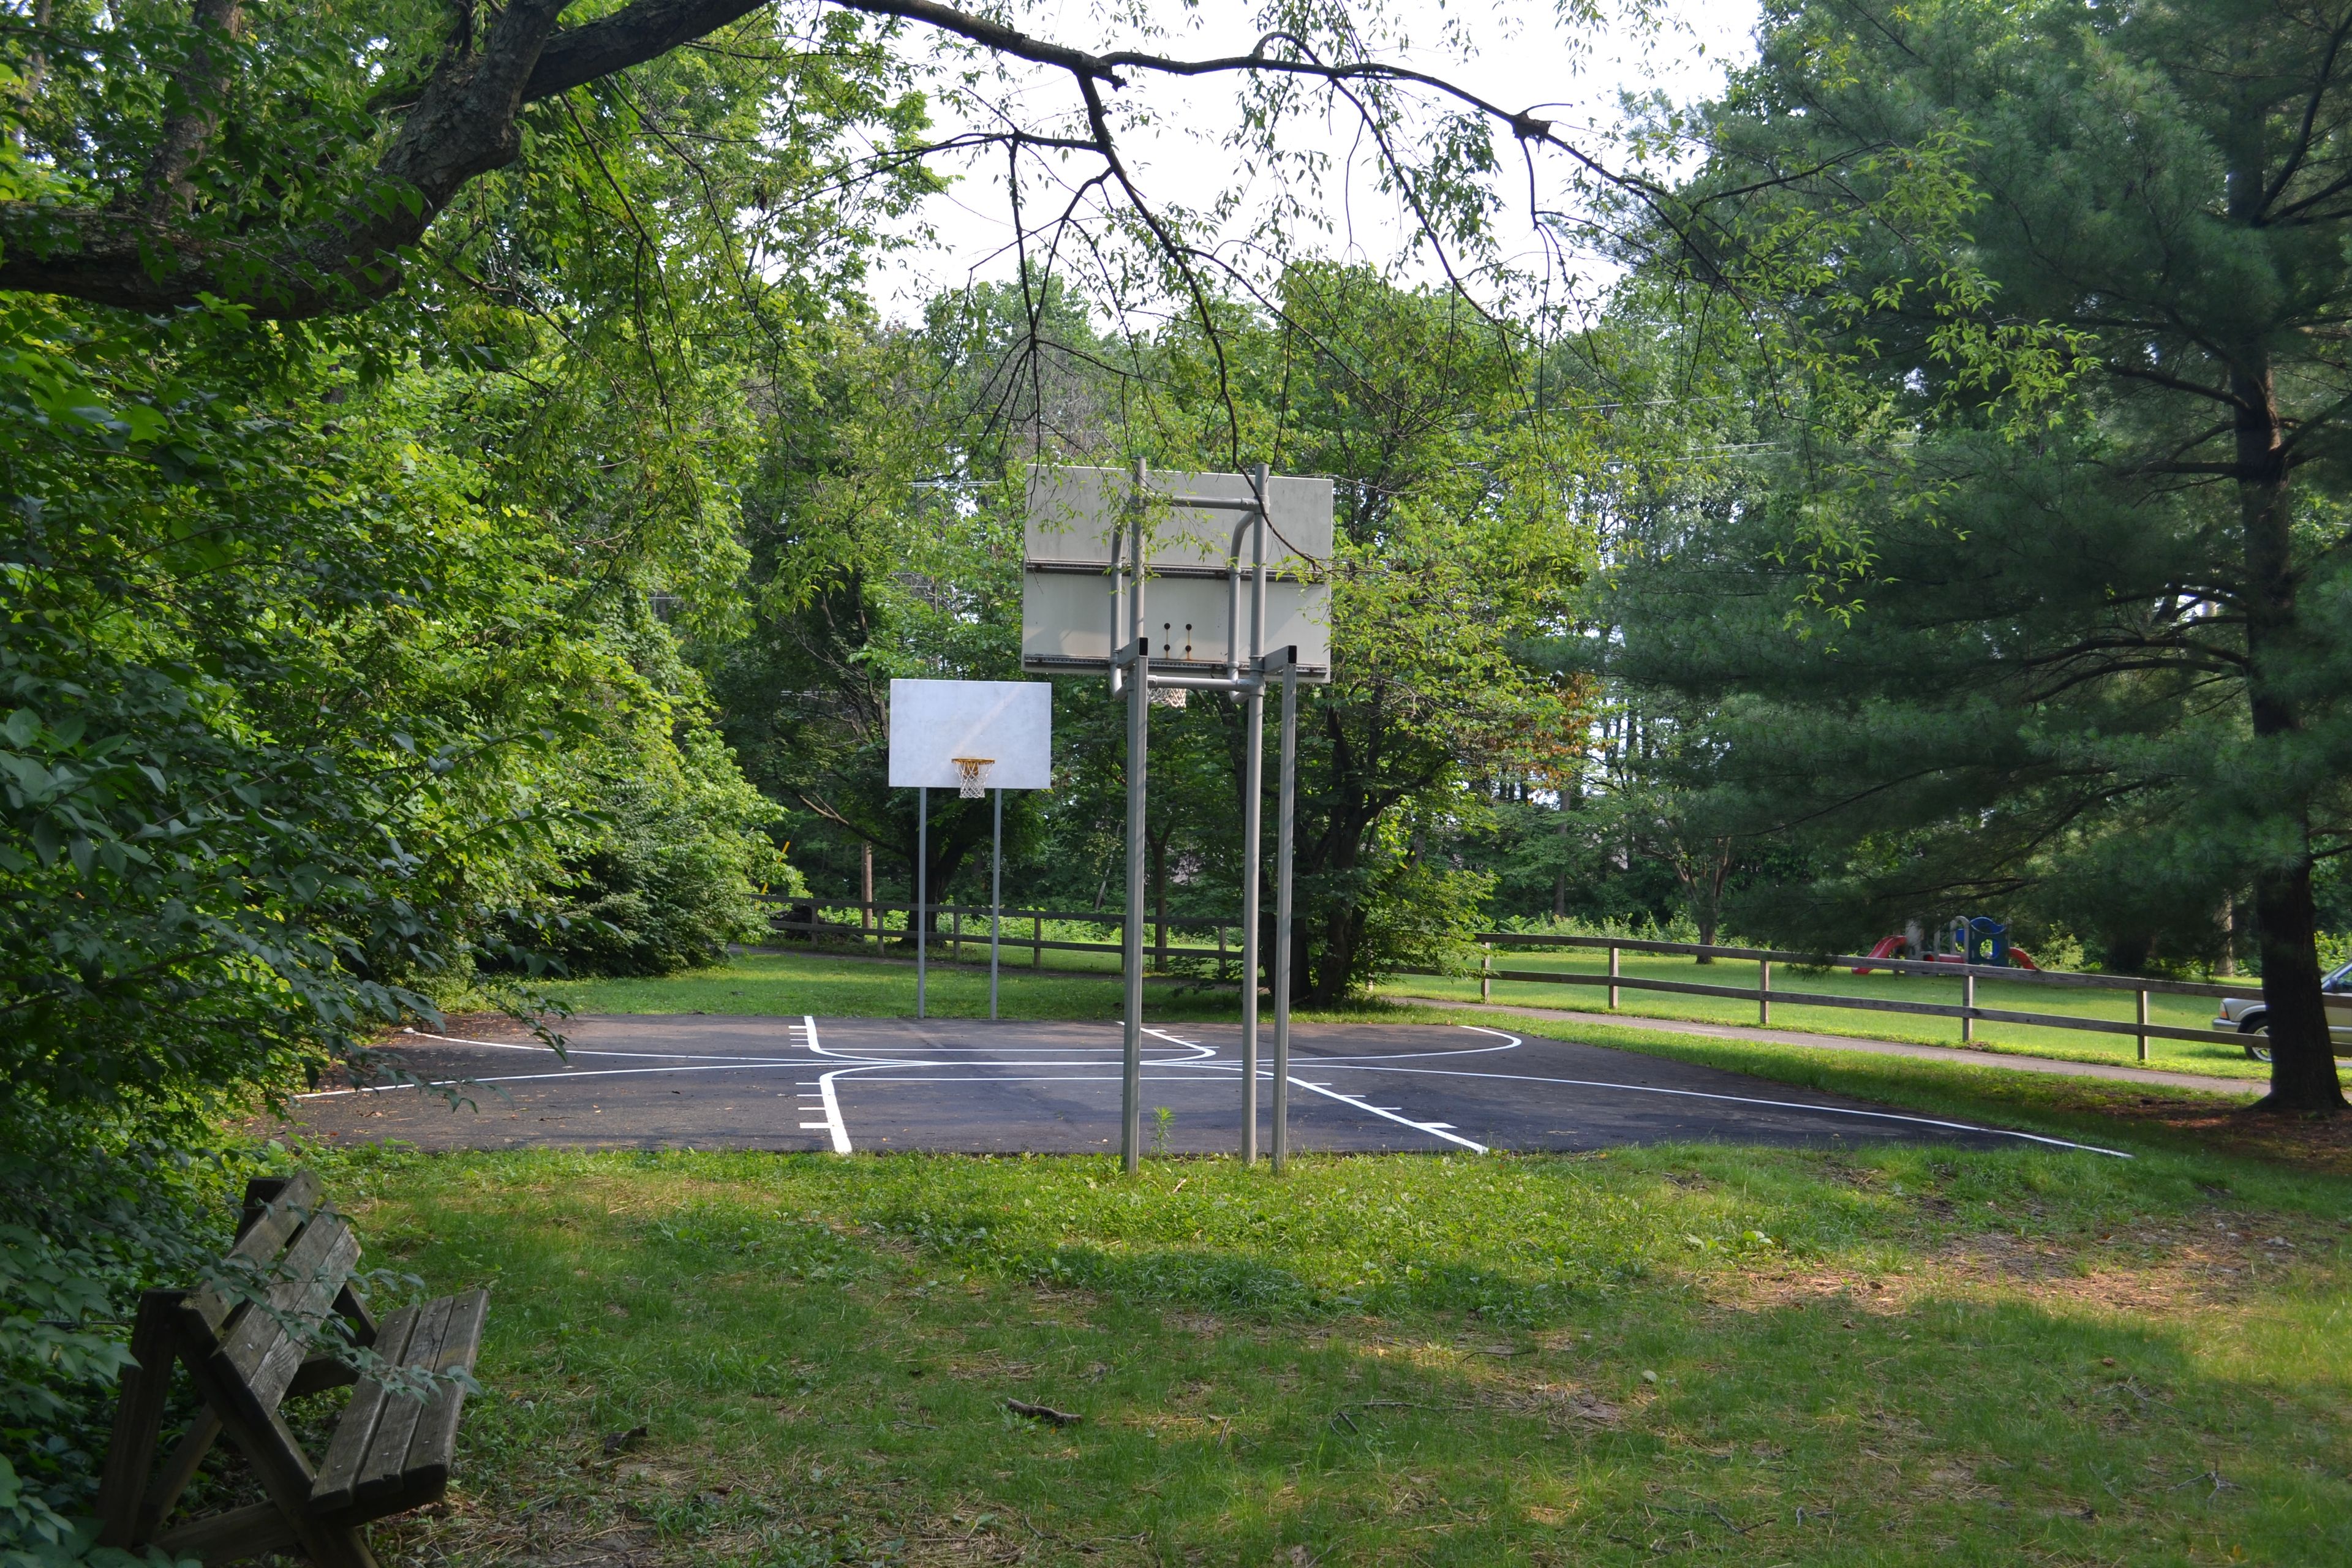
(831, 1123)
(733, 1064)
(1746, 1100)
(577, 1051)
(1433, 1129)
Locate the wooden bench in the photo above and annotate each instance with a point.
(390, 1451)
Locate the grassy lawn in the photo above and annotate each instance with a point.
(1745, 1356)
(846, 985)
(754, 982)
(2217, 1059)
(840, 986)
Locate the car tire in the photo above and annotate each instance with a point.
(2257, 1033)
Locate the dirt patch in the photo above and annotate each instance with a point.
(1561, 1404)
(2211, 1257)
(2321, 1143)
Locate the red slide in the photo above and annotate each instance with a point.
(1889, 947)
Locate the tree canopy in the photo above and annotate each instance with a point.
(2039, 590)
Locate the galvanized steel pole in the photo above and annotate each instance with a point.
(1286, 811)
(995, 899)
(922, 883)
(1138, 743)
(1252, 829)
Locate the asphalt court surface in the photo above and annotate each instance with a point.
(851, 1085)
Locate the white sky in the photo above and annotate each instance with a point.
(1519, 57)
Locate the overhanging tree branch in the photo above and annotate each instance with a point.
(463, 121)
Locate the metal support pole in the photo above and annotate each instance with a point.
(922, 883)
(1252, 881)
(1285, 812)
(1254, 826)
(1139, 746)
(995, 899)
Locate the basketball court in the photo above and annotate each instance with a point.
(876, 1085)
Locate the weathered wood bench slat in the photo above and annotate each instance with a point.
(339, 1472)
(436, 1440)
(258, 1344)
(387, 1454)
(260, 1240)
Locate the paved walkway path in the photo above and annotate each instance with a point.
(2059, 1065)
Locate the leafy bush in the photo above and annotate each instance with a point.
(98, 1225)
(670, 875)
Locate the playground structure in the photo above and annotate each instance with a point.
(1975, 940)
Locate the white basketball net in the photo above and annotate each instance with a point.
(969, 769)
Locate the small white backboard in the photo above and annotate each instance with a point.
(1066, 588)
(938, 728)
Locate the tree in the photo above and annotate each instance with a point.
(2049, 573)
(296, 160)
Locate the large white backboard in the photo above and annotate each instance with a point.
(1067, 589)
(932, 722)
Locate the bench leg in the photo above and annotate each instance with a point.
(345, 1546)
(137, 1420)
(177, 1473)
(286, 1476)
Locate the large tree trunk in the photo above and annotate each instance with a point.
(1342, 932)
(2303, 1055)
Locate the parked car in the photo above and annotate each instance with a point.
(2248, 1015)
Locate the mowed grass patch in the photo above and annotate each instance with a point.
(847, 985)
(2220, 1059)
(2133, 1115)
(1749, 1355)
(842, 985)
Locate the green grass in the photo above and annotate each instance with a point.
(843, 985)
(849, 984)
(840, 986)
(1751, 1356)
(2215, 1058)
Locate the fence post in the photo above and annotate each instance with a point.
(1485, 974)
(2143, 1024)
(1220, 950)
(1967, 1008)
(955, 930)
(1613, 977)
(1764, 993)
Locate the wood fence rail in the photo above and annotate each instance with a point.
(954, 936)
(1967, 1012)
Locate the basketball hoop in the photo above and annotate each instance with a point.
(968, 771)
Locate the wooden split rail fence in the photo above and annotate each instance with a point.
(1967, 1012)
(872, 927)
(872, 919)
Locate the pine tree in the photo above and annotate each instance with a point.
(2059, 499)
